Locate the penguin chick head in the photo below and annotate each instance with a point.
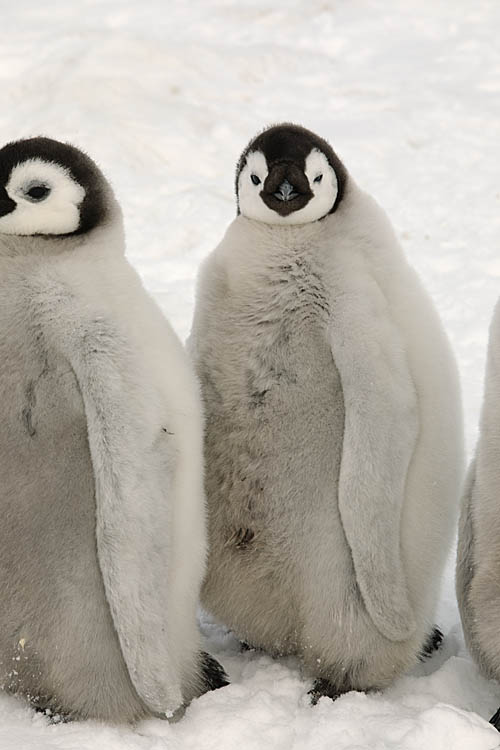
(289, 175)
(50, 188)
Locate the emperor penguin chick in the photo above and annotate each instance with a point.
(478, 559)
(333, 422)
(102, 540)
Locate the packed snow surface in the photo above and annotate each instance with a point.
(164, 95)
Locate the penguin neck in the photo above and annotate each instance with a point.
(293, 236)
(253, 254)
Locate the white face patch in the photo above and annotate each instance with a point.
(251, 204)
(47, 199)
(324, 190)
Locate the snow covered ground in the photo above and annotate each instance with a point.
(164, 94)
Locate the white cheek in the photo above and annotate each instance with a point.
(325, 192)
(251, 204)
(58, 214)
(36, 218)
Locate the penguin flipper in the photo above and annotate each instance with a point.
(127, 447)
(380, 434)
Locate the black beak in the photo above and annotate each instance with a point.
(7, 205)
(285, 192)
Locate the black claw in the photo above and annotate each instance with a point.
(244, 646)
(431, 644)
(322, 688)
(214, 676)
(495, 720)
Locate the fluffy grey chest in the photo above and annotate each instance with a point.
(288, 318)
(274, 402)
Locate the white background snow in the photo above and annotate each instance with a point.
(164, 94)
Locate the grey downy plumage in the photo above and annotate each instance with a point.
(478, 557)
(333, 434)
(101, 490)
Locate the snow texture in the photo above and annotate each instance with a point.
(165, 96)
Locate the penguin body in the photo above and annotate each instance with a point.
(478, 557)
(323, 366)
(101, 457)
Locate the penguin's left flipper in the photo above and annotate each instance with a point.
(431, 644)
(380, 435)
(131, 459)
(214, 675)
(495, 720)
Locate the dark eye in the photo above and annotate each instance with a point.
(37, 192)
(318, 178)
(255, 179)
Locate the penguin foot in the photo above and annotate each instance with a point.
(431, 644)
(495, 720)
(214, 676)
(322, 688)
(53, 717)
(244, 646)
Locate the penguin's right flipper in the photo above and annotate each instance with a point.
(129, 451)
(431, 644)
(495, 720)
(213, 673)
(380, 435)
